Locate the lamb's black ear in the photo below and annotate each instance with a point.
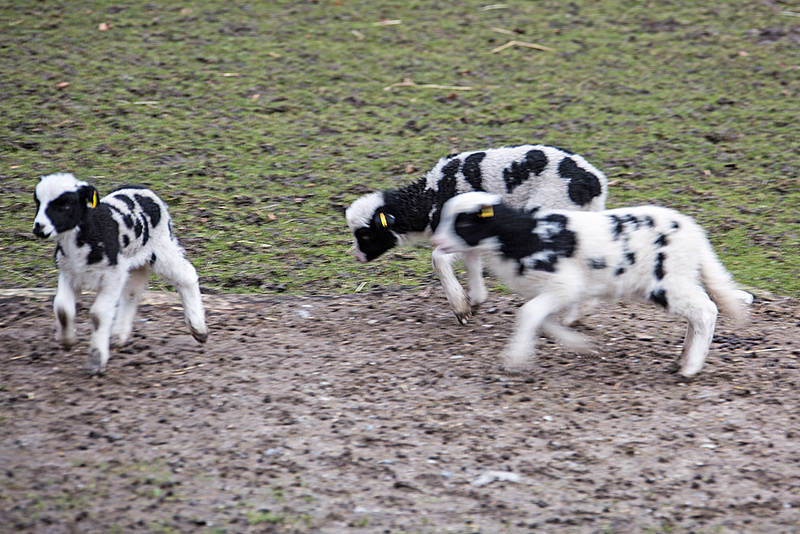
(383, 220)
(88, 194)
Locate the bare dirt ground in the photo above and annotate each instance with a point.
(378, 413)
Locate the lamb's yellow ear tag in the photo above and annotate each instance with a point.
(93, 202)
(384, 223)
(486, 212)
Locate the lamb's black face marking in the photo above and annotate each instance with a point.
(472, 229)
(374, 241)
(65, 212)
(472, 170)
(519, 171)
(410, 209)
(583, 185)
(659, 297)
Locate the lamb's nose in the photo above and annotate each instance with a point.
(37, 230)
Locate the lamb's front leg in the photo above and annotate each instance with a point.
(443, 267)
(64, 310)
(521, 351)
(102, 316)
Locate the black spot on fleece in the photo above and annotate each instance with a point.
(515, 230)
(519, 172)
(583, 185)
(100, 231)
(411, 207)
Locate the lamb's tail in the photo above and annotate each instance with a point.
(722, 289)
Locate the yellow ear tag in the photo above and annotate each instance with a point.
(384, 224)
(93, 203)
(486, 212)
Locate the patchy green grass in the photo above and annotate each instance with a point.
(259, 122)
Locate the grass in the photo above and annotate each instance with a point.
(259, 122)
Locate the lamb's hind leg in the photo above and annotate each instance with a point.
(443, 266)
(128, 303)
(522, 349)
(171, 265)
(571, 339)
(702, 316)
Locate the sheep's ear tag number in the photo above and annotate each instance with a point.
(486, 212)
(93, 202)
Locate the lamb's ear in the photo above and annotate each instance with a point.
(383, 220)
(88, 194)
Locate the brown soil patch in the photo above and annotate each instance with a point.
(378, 413)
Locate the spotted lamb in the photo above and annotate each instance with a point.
(110, 247)
(559, 258)
(528, 176)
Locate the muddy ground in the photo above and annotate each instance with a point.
(378, 413)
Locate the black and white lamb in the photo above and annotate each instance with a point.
(110, 247)
(559, 258)
(528, 176)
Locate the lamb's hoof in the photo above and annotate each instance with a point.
(118, 343)
(689, 373)
(516, 364)
(744, 297)
(67, 342)
(96, 365)
(681, 378)
(200, 336)
(463, 318)
(516, 369)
